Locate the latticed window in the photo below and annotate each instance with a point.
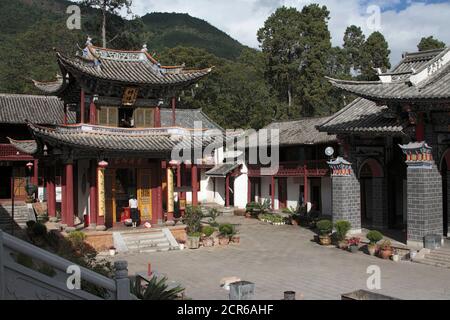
(144, 118)
(108, 116)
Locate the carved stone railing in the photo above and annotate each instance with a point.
(20, 282)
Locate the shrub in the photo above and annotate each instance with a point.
(386, 245)
(250, 206)
(325, 227)
(227, 229)
(208, 231)
(192, 219)
(39, 230)
(156, 289)
(342, 228)
(374, 236)
(77, 239)
(213, 213)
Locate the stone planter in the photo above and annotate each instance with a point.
(236, 239)
(208, 242)
(193, 242)
(224, 241)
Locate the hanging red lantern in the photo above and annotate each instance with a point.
(103, 164)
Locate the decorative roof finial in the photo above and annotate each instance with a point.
(144, 48)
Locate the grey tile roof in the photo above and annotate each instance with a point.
(100, 138)
(433, 86)
(16, 108)
(360, 116)
(301, 132)
(25, 146)
(128, 67)
(186, 118)
(222, 170)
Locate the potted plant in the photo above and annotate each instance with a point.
(325, 227)
(342, 227)
(386, 249)
(112, 251)
(192, 219)
(353, 244)
(31, 190)
(374, 237)
(226, 232)
(293, 215)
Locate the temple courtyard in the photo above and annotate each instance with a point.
(284, 258)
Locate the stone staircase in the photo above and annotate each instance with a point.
(159, 240)
(21, 215)
(437, 258)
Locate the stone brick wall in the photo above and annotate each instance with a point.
(424, 203)
(347, 200)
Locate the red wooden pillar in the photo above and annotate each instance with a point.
(174, 117)
(227, 191)
(35, 172)
(92, 113)
(93, 194)
(305, 189)
(272, 185)
(157, 117)
(194, 178)
(69, 195)
(63, 197)
(420, 128)
(51, 192)
(82, 106)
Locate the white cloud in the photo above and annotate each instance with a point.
(242, 18)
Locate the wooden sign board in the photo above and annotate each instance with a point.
(130, 96)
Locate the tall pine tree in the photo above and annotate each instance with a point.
(429, 43)
(375, 55)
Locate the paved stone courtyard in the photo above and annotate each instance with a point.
(281, 258)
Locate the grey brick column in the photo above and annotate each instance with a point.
(346, 194)
(425, 210)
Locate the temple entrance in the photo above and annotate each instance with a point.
(282, 193)
(5, 182)
(120, 185)
(371, 179)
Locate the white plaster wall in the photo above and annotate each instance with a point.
(326, 196)
(293, 192)
(83, 197)
(219, 196)
(265, 190)
(240, 191)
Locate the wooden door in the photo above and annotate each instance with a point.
(144, 193)
(110, 197)
(282, 193)
(20, 182)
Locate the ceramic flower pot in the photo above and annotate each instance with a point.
(372, 249)
(385, 253)
(325, 240)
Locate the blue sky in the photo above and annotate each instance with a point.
(403, 22)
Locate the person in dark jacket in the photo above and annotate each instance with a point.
(133, 204)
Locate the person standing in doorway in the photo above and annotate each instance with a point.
(133, 204)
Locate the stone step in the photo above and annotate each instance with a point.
(435, 263)
(139, 236)
(438, 257)
(145, 242)
(148, 246)
(152, 250)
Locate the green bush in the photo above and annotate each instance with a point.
(250, 206)
(156, 289)
(39, 230)
(77, 239)
(227, 229)
(208, 231)
(342, 228)
(192, 219)
(374, 236)
(325, 227)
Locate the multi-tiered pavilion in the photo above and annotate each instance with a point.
(117, 146)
